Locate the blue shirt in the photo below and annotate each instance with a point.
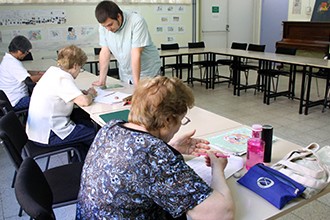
(130, 174)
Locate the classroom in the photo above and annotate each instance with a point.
(226, 101)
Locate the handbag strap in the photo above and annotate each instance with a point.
(300, 155)
(302, 174)
(298, 168)
(310, 182)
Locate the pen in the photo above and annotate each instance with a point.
(127, 103)
(111, 93)
(218, 155)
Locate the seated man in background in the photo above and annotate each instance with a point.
(13, 75)
(52, 118)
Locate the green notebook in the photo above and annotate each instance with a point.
(123, 114)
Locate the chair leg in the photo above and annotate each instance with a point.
(14, 179)
(47, 163)
(326, 95)
(317, 87)
(20, 212)
(246, 79)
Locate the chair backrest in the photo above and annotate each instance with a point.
(5, 107)
(28, 57)
(200, 44)
(238, 46)
(256, 47)
(174, 46)
(13, 137)
(4, 97)
(97, 50)
(33, 192)
(287, 51)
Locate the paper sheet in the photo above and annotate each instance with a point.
(109, 97)
(235, 164)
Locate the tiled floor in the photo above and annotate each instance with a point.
(246, 109)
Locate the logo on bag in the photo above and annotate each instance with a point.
(265, 182)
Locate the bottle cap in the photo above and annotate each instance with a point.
(257, 127)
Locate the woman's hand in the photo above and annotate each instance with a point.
(186, 144)
(211, 159)
(92, 92)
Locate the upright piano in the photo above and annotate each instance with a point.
(308, 36)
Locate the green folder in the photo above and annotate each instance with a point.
(123, 114)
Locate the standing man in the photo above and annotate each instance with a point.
(14, 77)
(126, 36)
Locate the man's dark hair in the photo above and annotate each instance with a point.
(107, 9)
(20, 43)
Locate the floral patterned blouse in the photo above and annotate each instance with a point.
(130, 174)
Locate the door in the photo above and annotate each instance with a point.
(214, 21)
(241, 20)
(233, 22)
(272, 15)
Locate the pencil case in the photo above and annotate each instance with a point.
(272, 185)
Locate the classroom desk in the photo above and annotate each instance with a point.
(248, 204)
(85, 80)
(307, 63)
(263, 56)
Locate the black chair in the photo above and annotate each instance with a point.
(15, 141)
(21, 113)
(205, 63)
(112, 72)
(228, 62)
(39, 192)
(272, 71)
(249, 65)
(178, 66)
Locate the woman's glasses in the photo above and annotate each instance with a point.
(185, 120)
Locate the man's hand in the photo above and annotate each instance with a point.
(98, 83)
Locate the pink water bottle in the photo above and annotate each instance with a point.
(255, 152)
(256, 130)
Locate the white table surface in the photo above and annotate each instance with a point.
(248, 204)
(39, 65)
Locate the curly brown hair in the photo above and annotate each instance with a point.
(70, 55)
(157, 99)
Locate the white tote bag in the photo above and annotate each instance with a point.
(304, 166)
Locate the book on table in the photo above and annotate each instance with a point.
(122, 114)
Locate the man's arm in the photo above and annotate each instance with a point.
(35, 75)
(136, 64)
(104, 59)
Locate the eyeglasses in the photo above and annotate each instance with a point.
(26, 52)
(185, 120)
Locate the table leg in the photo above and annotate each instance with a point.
(236, 77)
(302, 92)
